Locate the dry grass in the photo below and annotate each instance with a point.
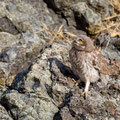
(57, 34)
(115, 4)
(111, 24)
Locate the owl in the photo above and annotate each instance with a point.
(88, 64)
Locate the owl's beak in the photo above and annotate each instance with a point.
(98, 51)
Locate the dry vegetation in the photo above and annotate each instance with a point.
(57, 34)
(115, 4)
(111, 24)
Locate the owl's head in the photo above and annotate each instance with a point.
(83, 43)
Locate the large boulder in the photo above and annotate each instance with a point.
(22, 35)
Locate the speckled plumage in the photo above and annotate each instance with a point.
(87, 64)
(82, 65)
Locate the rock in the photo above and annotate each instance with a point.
(29, 106)
(111, 118)
(7, 26)
(101, 7)
(22, 35)
(35, 95)
(82, 14)
(4, 114)
(38, 88)
(46, 86)
(104, 39)
(117, 44)
(104, 92)
(89, 15)
(65, 114)
(115, 86)
(37, 82)
(111, 111)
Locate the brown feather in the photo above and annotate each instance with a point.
(85, 61)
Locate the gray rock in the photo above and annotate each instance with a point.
(4, 114)
(111, 118)
(81, 14)
(82, 9)
(43, 84)
(29, 106)
(22, 35)
(66, 114)
(102, 7)
(48, 84)
(6, 25)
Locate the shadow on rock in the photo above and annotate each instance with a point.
(18, 82)
(65, 70)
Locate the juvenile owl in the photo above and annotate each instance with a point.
(87, 64)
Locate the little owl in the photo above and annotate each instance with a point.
(87, 64)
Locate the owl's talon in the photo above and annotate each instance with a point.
(85, 93)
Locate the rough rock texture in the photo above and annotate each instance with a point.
(82, 13)
(3, 114)
(37, 83)
(22, 35)
(31, 106)
(49, 84)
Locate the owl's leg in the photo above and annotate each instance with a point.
(87, 84)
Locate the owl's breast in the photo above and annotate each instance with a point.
(82, 65)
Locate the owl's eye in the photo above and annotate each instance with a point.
(80, 40)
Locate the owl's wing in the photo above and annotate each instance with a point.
(106, 66)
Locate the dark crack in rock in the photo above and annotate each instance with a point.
(7, 25)
(4, 114)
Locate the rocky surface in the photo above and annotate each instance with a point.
(47, 90)
(82, 13)
(22, 35)
(37, 83)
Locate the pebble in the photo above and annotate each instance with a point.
(111, 118)
(111, 111)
